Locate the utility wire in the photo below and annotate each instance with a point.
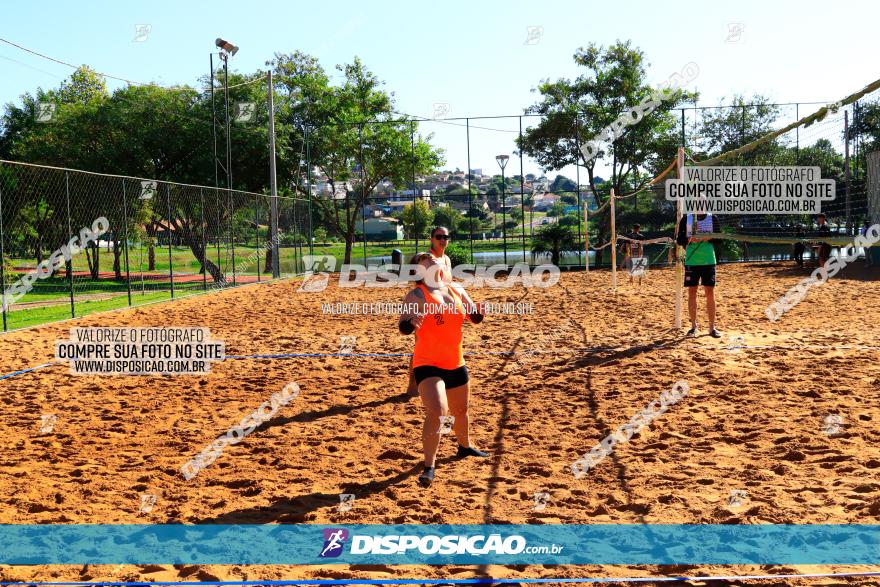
(117, 78)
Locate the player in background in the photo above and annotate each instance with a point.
(699, 265)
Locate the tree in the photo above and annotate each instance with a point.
(497, 187)
(142, 131)
(357, 140)
(458, 254)
(152, 132)
(825, 157)
(71, 135)
(448, 217)
(553, 239)
(418, 219)
(563, 184)
(574, 111)
(740, 123)
(557, 209)
(84, 86)
(516, 214)
(569, 220)
(867, 124)
(459, 190)
(478, 216)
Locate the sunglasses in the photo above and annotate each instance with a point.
(442, 237)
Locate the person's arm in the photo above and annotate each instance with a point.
(476, 313)
(473, 311)
(411, 321)
(465, 298)
(682, 238)
(716, 228)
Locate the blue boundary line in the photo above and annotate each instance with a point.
(276, 356)
(375, 355)
(299, 355)
(28, 370)
(479, 581)
(312, 355)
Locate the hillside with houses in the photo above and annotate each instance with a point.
(493, 203)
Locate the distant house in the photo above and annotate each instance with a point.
(372, 210)
(397, 205)
(325, 189)
(510, 202)
(545, 201)
(462, 204)
(381, 229)
(407, 195)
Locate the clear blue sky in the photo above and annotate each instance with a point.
(471, 55)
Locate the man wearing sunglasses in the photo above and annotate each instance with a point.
(439, 241)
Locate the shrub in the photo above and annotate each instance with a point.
(459, 254)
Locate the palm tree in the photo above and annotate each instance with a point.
(553, 239)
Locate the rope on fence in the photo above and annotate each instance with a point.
(840, 241)
(806, 121)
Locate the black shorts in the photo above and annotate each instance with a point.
(451, 377)
(694, 274)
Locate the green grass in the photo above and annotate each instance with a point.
(183, 261)
(42, 315)
(514, 243)
(56, 288)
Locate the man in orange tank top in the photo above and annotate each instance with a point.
(438, 360)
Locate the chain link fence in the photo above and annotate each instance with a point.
(165, 240)
(74, 242)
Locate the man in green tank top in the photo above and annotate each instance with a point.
(699, 265)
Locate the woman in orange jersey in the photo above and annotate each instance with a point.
(438, 359)
(439, 241)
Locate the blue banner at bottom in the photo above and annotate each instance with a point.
(566, 544)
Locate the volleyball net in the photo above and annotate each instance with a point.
(839, 141)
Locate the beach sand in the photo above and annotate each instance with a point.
(546, 387)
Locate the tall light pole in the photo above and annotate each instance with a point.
(227, 50)
(273, 186)
(216, 164)
(502, 163)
